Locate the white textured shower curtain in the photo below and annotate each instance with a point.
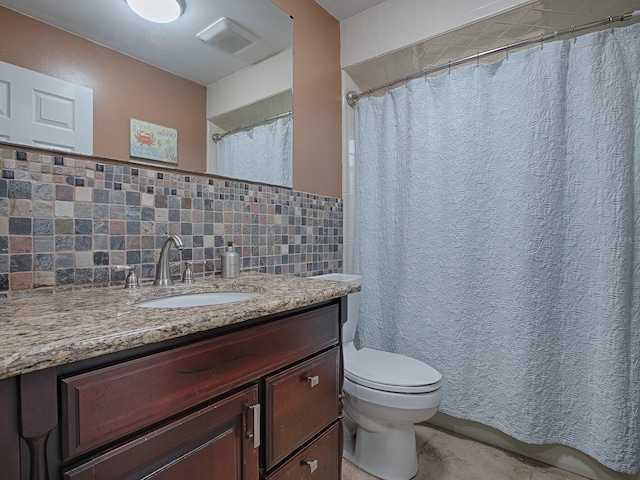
(262, 154)
(497, 228)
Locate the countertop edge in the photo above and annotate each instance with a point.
(77, 330)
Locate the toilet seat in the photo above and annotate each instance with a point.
(390, 372)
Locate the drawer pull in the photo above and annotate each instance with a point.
(256, 425)
(313, 465)
(315, 380)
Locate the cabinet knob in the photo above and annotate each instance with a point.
(313, 465)
(313, 381)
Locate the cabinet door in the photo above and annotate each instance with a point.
(300, 402)
(215, 442)
(9, 421)
(318, 461)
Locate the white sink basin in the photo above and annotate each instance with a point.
(197, 300)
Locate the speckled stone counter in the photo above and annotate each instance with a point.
(61, 328)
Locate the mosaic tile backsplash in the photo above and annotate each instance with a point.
(64, 222)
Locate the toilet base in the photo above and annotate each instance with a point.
(389, 455)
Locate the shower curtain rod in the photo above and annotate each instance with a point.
(353, 97)
(216, 137)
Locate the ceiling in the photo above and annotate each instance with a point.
(343, 9)
(174, 47)
(528, 21)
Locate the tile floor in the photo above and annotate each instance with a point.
(445, 455)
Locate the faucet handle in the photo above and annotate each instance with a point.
(187, 275)
(132, 278)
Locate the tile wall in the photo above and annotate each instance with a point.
(65, 221)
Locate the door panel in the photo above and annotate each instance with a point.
(43, 111)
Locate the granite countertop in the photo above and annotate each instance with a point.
(51, 330)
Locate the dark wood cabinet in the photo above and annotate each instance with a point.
(213, 442)
(9, 428)
(319, 461)
(300, 402)
(243, 403)
(160, 385)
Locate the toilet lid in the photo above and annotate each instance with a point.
(390, 372)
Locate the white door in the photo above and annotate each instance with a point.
(45, 112)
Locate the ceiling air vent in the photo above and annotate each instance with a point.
(227, 35)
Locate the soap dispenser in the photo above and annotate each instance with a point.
(230, 262)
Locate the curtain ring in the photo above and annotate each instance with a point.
(449, 67)
(573, 33)
(478, 59)
(541, 39)
(507, 51)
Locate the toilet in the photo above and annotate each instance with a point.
(385, 395)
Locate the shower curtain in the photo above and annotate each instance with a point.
(262, 154)
(497, 225)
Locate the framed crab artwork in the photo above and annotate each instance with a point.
(153, 142)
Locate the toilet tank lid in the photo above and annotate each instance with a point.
(339, 277)
(390, 371)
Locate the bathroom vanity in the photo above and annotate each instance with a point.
(246, 390)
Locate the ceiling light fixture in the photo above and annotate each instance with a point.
(157, 11)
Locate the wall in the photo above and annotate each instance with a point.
(262, 80)
(65, 221)
(317, 134)
(123, 88)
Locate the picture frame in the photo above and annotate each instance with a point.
(153, 142)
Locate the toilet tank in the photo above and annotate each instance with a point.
(353, 303)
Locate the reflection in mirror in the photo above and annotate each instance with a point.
(254, 142)
(230, 84)
(252, 148)
(261, 152)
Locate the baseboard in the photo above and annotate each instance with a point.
(559, 456)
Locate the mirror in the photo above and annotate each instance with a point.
(231, 89)
(255, 142)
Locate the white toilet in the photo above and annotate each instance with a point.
(385, 395)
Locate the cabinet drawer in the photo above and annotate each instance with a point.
(301, 401)
(210, 443)
(319, 461)
(106, 404)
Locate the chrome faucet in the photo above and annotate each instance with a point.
(163, 272)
